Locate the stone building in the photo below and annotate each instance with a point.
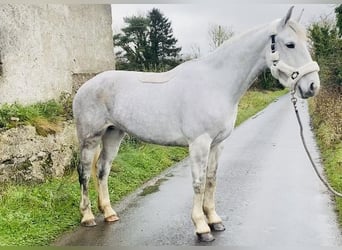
(48, 49)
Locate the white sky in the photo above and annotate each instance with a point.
(190, 22)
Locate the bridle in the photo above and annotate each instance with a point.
(293, 74)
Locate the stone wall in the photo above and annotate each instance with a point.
(47, 49)
(42, 46)
(28, 157)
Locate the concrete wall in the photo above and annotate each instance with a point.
(43, 47)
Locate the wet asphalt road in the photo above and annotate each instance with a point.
(267, 195)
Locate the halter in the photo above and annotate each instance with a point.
(293, 74)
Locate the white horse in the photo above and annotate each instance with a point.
(194, 105)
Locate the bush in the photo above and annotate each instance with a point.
(266, 81)
(327, 51)
(326, 113)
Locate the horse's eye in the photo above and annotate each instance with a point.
(290, 45)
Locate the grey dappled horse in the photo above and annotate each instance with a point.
(193, 105)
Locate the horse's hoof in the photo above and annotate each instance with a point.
(111, 218)
(205, 237)
(88, 223)
(218, 227)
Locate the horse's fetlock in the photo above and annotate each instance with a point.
(207, 209)
(84, 205)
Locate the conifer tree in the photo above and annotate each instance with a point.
(163, 49)
(147, 43)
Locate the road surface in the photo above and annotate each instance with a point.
(267, 195)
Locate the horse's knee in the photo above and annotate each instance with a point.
(211, 182)
(199, 187)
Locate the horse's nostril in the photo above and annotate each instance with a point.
(312, 86)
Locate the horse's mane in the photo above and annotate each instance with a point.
(295, 26)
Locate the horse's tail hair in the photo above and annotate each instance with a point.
(94, 167)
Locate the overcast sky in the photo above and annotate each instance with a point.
(190, 22)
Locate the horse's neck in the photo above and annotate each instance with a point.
(238, 62)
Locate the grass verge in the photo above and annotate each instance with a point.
(36, 214)
(254, 101)
(325, 110)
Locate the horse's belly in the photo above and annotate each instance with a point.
(165, 140)
(152, 127)
(156, 136)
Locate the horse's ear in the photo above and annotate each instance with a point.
(287, 17)
(300, 16)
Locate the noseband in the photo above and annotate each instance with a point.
(293, 74)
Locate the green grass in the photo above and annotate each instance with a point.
(254, 101)
(35, 214)
(44, 116)
(332, 161)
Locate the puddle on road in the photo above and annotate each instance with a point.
(169, 175)
(153, 188)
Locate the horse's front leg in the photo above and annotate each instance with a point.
(214, 221)
(199, 153)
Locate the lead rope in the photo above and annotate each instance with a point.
(294, 102)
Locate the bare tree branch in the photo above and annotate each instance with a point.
(218, 34)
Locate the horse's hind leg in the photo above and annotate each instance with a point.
(88, 149)
(199, 153)
(110, 145)
(214, 220)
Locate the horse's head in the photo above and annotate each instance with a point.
(289, 59)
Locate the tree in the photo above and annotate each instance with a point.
(133, 44)
(146, 43)
(218, 34)
(163, 49)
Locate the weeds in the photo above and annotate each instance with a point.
(65, 101)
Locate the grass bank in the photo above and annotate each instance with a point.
(35, 214)
(45, 117)
(325, 110)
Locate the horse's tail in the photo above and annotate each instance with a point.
(94, 167)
